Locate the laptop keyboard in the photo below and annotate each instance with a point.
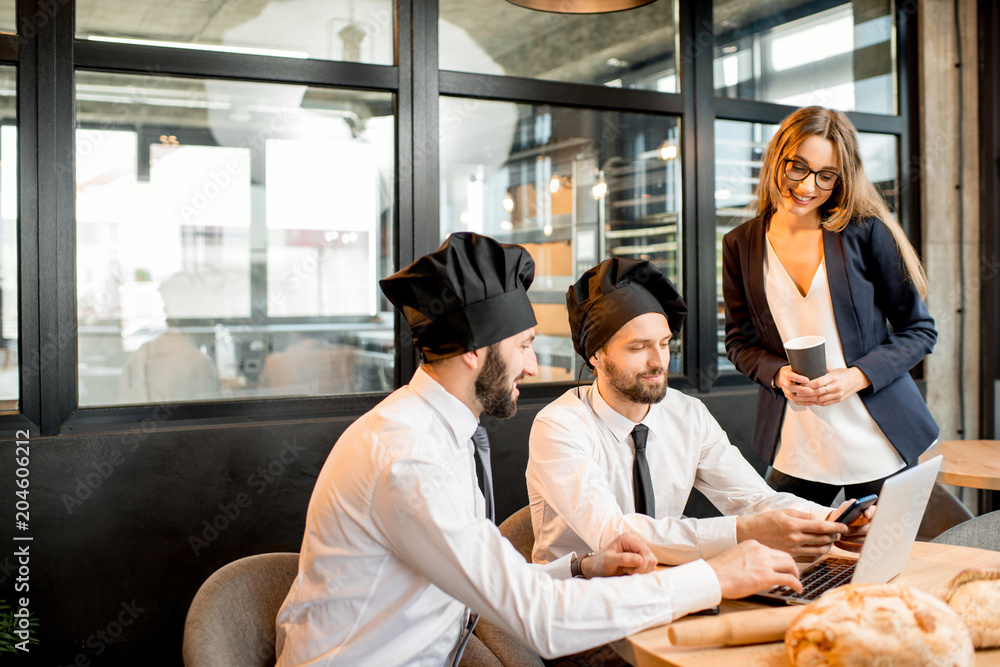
(829, 573)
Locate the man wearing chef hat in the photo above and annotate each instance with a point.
(400, 551)
(623, 454)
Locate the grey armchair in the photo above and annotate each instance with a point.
(981, 532)
(231, 619)
(509, 650)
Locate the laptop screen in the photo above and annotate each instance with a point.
(901, 507)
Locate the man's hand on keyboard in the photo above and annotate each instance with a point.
(798, 533)
(750, 567)
(854, 538)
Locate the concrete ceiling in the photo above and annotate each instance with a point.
(509, 34)
(488, 35)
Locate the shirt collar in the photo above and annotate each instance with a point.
(620, 425)
(454, 412)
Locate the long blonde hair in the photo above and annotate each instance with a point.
(854, 196)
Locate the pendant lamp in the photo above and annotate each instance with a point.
(580, 6)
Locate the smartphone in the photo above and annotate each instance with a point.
(711, 611)
(856, 509)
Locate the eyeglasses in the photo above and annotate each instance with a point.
(796, 171)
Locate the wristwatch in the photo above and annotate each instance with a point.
(576, 566)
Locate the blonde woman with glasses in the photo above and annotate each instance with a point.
(825, 257)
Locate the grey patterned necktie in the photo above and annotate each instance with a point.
(642, 482)
(484, 470)
(484, 474)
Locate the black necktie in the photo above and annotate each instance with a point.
(642, 483)
(484, 471)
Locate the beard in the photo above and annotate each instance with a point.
(494, 386)
(635, 388)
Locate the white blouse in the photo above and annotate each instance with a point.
(835, 444)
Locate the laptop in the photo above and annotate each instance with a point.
(887, 547)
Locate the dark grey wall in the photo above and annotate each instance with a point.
(125, 527)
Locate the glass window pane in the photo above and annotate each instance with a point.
(739, 152)
(880, 153)
(231, 236)
(842, 57)
(9, 353)
(630, 49)
(573, 187)
(346, 30)
(8, 17)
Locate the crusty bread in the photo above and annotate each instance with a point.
(975, 596)
(878, 624)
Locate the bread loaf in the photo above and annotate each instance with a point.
(878, 624)
(975, 596)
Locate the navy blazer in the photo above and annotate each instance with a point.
(868, 288)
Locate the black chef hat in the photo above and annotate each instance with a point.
(608, 296)
(469, 293)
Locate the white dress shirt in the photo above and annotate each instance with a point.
(835, 444)
(397, 544)
(580, 478)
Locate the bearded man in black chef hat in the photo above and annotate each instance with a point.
(623, 454)
(400, 552)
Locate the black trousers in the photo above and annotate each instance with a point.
(818, 492)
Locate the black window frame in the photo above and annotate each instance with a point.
(48, 58)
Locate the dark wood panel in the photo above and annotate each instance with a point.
(127, 525)
(140, 520)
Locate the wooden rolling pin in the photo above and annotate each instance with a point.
(756, 626)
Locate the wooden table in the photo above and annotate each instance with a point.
(930, 565)
(971, 463)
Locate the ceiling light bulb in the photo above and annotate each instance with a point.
(508, 204)
(600, 189)
(554, 185)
